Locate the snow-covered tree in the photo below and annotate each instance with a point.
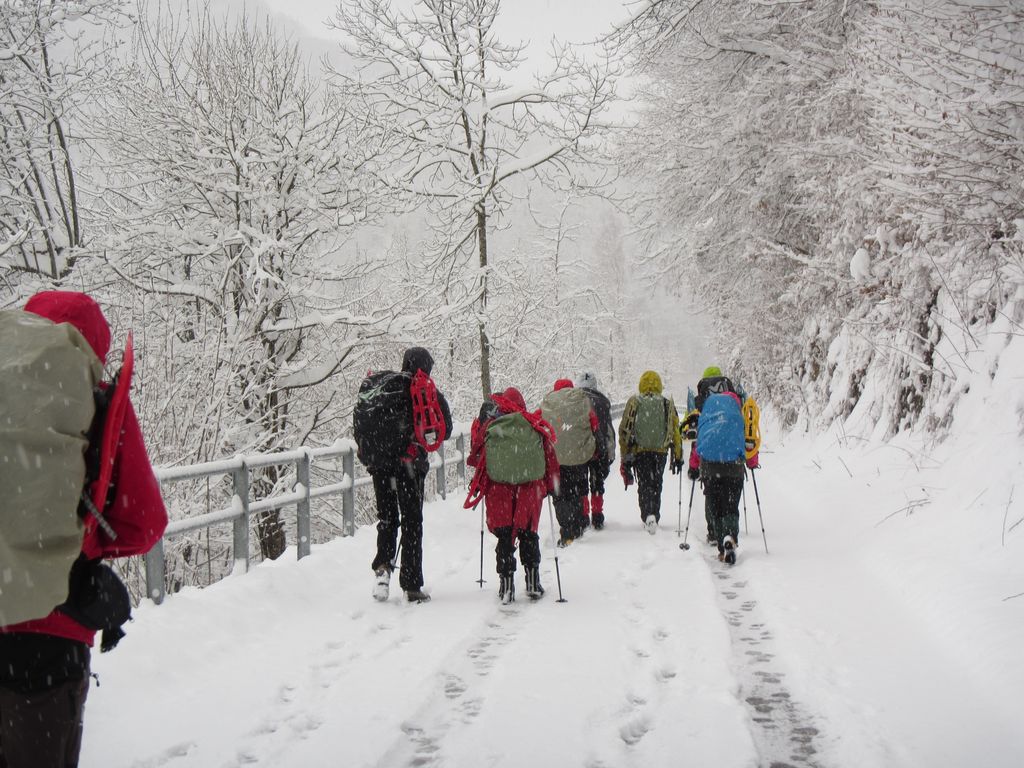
(457, 139)
(52, 59)
(837, 176)
(230, 183)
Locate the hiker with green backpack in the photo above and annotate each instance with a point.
(513, 453)
(577, 431)
(77, 487)
(648, 435)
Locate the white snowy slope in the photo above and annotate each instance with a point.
(865, 638)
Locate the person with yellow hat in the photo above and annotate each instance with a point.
(648, 433)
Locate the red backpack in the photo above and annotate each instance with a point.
(427, 417)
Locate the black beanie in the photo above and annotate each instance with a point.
(417, 359)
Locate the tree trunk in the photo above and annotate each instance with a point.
(271, 534)
(485, 344)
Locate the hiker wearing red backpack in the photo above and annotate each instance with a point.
(516, 468)
(398, 419)
(569, 411)
(44, 675)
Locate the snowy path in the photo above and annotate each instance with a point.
(830, 651)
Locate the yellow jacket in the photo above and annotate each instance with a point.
(650, 384)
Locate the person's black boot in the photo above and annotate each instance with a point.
(534, 590)
(507, 589)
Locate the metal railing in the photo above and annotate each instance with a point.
(242, 507)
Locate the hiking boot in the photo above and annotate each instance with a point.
(417, 596)
(382, 589)
(533, 588)
(565, 541)
(507, 589)
(721, 556)
(597, 521)
(651, 524)
(712, 540)
(730, 550)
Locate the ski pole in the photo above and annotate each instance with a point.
(679, 525)
(554, 546)
(398, 551)
(689, 509)
(757, 496)
(743, 495)
(481, 581)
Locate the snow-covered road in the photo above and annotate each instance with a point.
(862, 639)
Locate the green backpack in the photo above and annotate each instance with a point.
(47, 375)
(568, 412)
(514, 450)
(650, 428)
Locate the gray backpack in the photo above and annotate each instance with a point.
(568, 412)
(48, 373)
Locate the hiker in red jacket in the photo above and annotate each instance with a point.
(513, 508)
(44, 676)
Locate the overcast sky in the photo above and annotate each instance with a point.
(531, 21)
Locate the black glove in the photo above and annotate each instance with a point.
(675, 466)
(693, 473)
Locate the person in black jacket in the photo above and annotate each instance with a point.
(398, 485)
(598, 467)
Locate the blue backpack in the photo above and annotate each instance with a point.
(720, 431)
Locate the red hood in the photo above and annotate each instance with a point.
(563, 384)
(79, 310)
(513, 395)
(510, 401)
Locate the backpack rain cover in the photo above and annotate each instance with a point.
(48, 373)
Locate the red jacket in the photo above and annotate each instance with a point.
(516, 506)
(136, 509)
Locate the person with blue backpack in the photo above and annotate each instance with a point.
(719, 460)
(712, 382)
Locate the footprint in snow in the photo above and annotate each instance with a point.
(635, 729)
(665, 673)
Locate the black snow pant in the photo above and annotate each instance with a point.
(44, 682)
(400, 504)
(572, 487)
(722, 506)
(649, 469)
(505, 549)
(597, 472)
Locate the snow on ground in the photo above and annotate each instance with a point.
(876, 633)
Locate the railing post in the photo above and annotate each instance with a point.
(442, 479)
(302, 522)
(348, 498)
(154, 560)
(460, 446)
(241, 523)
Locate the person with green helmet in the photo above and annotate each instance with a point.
(712, 382)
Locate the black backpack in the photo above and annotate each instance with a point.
(382, 420)
(713, 385)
